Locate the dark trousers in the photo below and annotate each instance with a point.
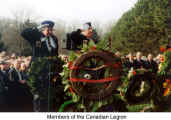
(40, 105)
(3, 103)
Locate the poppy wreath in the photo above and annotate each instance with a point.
(89, 81)
(91, 77)
(140, 88)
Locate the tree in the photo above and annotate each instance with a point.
(2, 46)
(143, 28)
(12, 28)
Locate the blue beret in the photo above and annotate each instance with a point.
(48, 23)
(45, 24)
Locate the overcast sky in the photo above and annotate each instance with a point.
(69, 10)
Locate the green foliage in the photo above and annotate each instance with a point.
(164, 66)
(102, 45)
(39, 74)
(73, 56)
(143, 28)
(87, 47)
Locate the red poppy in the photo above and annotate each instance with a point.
(167, 80)
(70, 64)
(71, 90)
(162, 49)
(162, 59)
(93, 48)
(169, 85)
(134, 73)
(169, 49)
(119, 63)
(166, 92)
(116, 65)
(105, 85)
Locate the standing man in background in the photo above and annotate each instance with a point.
(3, 86)
(76, 39)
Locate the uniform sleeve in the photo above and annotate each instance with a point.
(76, 39)
(31, 35)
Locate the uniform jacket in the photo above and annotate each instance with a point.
(77, 39)
(151, 65)
(139, 64)
(39, 48)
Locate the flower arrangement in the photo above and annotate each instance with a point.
(81, 103)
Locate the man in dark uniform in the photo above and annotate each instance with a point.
(139, 63)
(130, 62)
(14, 91)
(81, 36)
(43, 41)
(44, 44)
(3, 87)
(151, 64)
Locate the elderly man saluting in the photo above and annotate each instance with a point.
(43, 41)
(44, 44)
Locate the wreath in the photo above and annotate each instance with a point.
(84, 81)
(95, 75)
(140, 88)
(92, 77)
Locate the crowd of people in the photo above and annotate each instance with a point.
(13, 77)
(13, 82)
(138, 61)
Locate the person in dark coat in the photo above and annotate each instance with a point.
(3, 87)
(15, 92)
(25, 89)
(44, 43)
(81, 36)
(151, 64)
(139, 63)
(130, 62)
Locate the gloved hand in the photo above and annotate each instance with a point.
(36, 96)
